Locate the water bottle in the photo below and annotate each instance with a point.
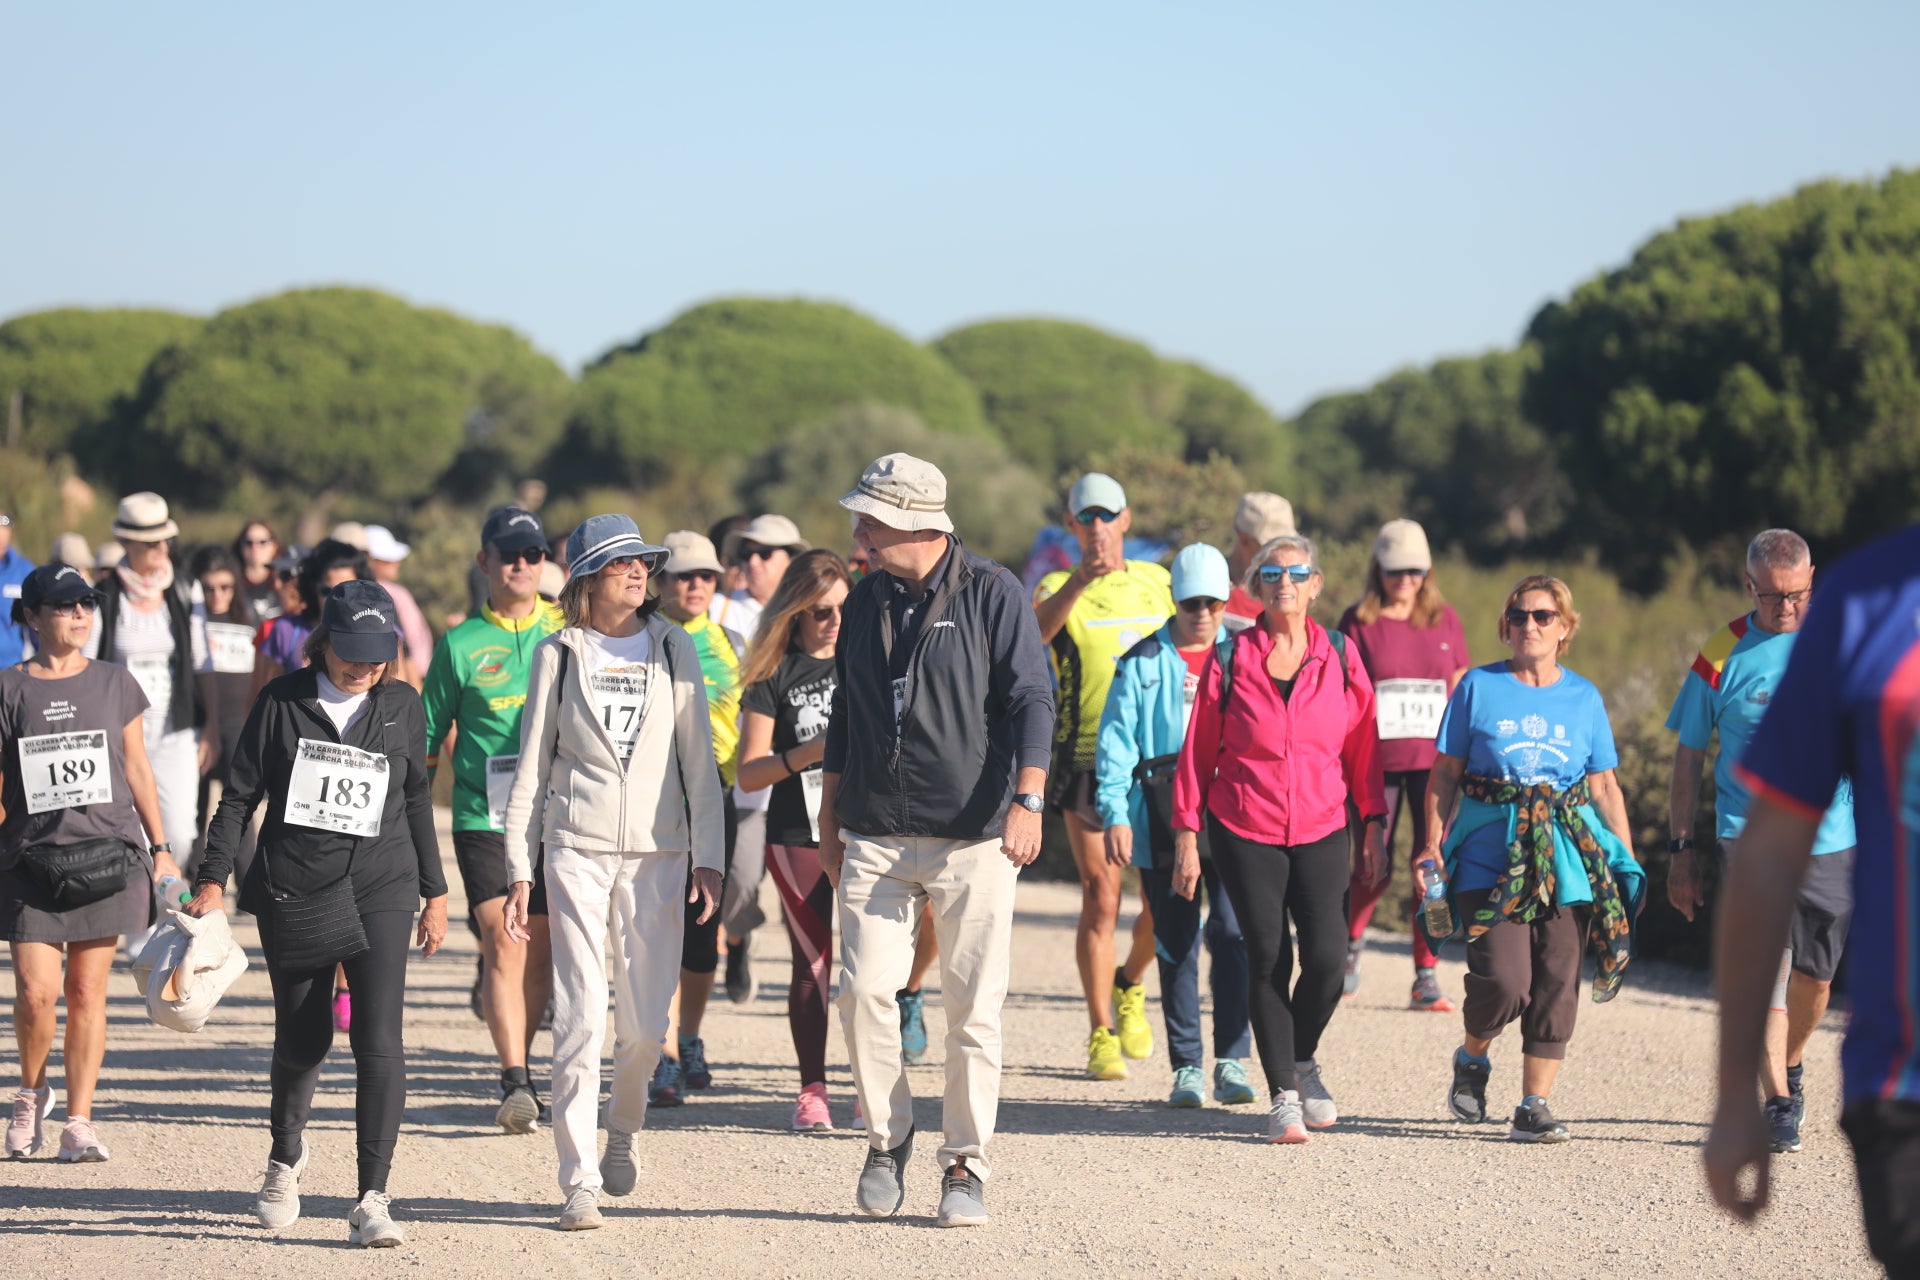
(172, 892)
(1438, 911)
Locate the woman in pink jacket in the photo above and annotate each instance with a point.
(1283, 734)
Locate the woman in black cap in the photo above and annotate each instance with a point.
(337, 750)
(77, 790)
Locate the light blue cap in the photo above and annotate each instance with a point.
(599, 539)
(1200, 570)
(1096, 489)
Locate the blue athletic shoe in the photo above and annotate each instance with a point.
(913, 1027)
(1230, 1087)
(1187, 1082)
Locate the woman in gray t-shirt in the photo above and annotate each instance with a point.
(73, 769)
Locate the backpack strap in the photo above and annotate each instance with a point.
(1223, 653)
(1338, 639)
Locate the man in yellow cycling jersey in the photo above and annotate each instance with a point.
(1090, 616)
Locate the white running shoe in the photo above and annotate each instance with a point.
(278, 1204)
(1316, 1104)
(582, 1211)
(371, 1225)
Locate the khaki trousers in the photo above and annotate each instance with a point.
(883, 884)
(634, 904)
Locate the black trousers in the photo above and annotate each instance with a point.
(1276, 890)
(1886, 1154)
(303, 1032)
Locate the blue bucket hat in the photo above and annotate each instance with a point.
(1200, 570)
(603, 538)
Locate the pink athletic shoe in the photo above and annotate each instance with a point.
(27, 1131)
(810, 1114)
(343, 1011)
(80, 1144)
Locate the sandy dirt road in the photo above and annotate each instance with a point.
(1091, 1178)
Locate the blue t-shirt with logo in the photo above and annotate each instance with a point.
(1503, 728)
(1729, 689)
(1849, 706)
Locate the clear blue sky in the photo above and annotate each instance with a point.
(1303, 200)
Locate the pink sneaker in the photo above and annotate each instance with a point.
(80, 1144)
(810, 1114)
(27, 1131)
(343, 1011)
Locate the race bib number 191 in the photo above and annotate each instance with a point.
(1410, 708)
(337, 788)
(65, 770)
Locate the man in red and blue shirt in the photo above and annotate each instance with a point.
(1848, 706)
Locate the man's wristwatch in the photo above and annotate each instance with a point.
(162, 847)
(1680, 844)
(1030, 802)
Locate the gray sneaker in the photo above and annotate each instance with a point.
(519, 1111)
(1316, 1104)
(278, 1204)
(963, 1201)
(618, 1172)
(883, 1183)
(371, 1225)
(582, 1211)
(1283, 1118)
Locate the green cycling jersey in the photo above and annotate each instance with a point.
(477, 684)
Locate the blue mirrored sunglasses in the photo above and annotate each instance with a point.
(1272, 573)
(1100, 514)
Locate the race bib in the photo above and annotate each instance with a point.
(812, 785)
(499, 787)
(66, 770)
(336, 788)
(1409, 708)
(153, 672)
(1189, 693)
(620, 699)
(232, 648)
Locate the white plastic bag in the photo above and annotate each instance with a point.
(186, 967)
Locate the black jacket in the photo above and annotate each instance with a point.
(188, 710)
(978, 705)
(391, 871)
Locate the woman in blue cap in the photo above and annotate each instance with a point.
(616, 724)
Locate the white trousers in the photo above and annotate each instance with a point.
(883, 884)
(176, 776)
(637, 903)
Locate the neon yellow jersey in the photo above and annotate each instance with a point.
(1110, 617)
(720, 652)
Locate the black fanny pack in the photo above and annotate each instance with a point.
(1155, 777)
(313, 930)
(79, 875)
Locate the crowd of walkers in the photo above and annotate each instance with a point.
(639, 731)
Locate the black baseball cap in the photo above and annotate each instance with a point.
(511, 529)
(57, 583)
(360, 619)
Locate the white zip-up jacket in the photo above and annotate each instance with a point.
(570, 790)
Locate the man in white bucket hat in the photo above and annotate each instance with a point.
(936, 760)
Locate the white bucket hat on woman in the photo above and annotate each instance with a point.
(143, 518)
(1402, 544)
(902, 492)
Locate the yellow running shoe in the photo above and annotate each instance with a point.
(1130, 1010)
(1103, 1056)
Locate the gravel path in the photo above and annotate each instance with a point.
(1093, 1178)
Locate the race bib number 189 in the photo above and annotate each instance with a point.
(66, 770)
(337, 788)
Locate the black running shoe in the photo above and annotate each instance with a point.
(1536, 1124)
(1783, 1127)
(1467, 1099)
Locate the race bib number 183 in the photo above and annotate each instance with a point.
(337, 788)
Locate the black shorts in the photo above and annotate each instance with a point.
(482, 856)
(1822, 913)
(1076, 798)
(1885, 1134)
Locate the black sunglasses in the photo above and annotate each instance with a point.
(824, 613)
(1541, 617)
(1198, 604)
(698, 575)
(73, 608)
(1096, 515)
(531, 555)
(1403, 573)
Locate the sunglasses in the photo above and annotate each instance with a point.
(1272, 573)
(698, 575)
(625, 564)
(824, 614)
(758, 553)
(1404, 573)
(1199, 604)
(73, 608)
(1096, 515)
(527, 555)
(1541, 617)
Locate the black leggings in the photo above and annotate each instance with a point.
(700, 943)
(303, 1032)
(1267, 884)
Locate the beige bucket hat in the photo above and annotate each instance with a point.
(902, 492)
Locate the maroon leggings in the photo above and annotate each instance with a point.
(808, 898)
(1406, 793)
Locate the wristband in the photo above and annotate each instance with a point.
(1680, 844)
(162, 847)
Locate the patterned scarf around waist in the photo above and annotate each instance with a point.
(1528, 888)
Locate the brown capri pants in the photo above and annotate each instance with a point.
(1528, 972)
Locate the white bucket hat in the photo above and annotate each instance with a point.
(689, 551)
(1402, 544)
(902, 492)
(143, 517)
(765, 531)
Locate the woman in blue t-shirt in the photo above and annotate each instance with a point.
(1539, 852)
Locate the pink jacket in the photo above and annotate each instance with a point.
(1275, 770)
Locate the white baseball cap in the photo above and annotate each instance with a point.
(382, 545)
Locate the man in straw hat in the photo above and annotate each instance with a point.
(936, 761)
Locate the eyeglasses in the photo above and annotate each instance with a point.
(1096, 515)
(1199, 604)
(698, 575)
(824, 614)
(1272, 573)
(73, 608)
(1778, 599)
(1403, 573)
(1541, 617)
(530, 555)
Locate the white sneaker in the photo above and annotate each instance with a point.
(618, 1171)
(1316, 1104)
(371, 1225)
(278, 1204)
(582, 1211)
(1283, 1118)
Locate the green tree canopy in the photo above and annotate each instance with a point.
(726, 379)
(1060, 393)
(345, 389)
(1752, 369)
(995, 502)
(72, 365)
